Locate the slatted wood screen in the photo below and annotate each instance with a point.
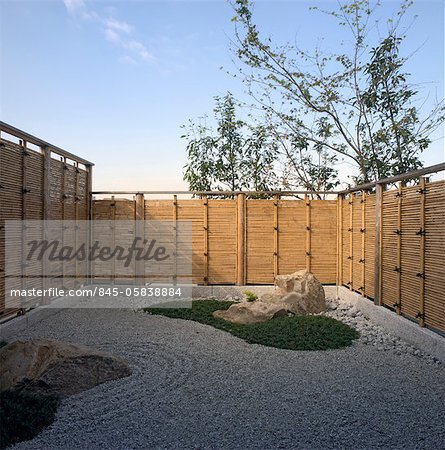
(35, 186)
(274, 238)
(248, 241)
(412, 249)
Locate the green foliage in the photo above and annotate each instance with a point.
(250, 296)
(23, 416)
(399, 140)
(237, 157)
(355, 104)
(293, 333)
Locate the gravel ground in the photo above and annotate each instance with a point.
(196, 387)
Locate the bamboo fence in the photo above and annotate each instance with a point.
(384, 240)
(392, 248)
(38, 181)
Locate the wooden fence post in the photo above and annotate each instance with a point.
(351, 242)
(206, 239)
(241, 245)
(378, 245)
(76, 218)
(398, 268)
(140, 232)
(113, 236)
(422, 233)
(275, 236)
(89, 215)
(308, 232)
(363, 233)
(340, 240)
(24, 216)
(175, 239)
(46, 213)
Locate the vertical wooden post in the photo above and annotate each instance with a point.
(399, 249)
(175, 239)
(308, 232)
(378, 245)
(363, 233)
(89, 189)
(422, 233)
(275, 237)
(24, 215)
(76, 215)
(337, 248)
(205, 202)
(46, 198)
(46, 213)
(113, 236)
(340, 243)
(64, 197)
(351, 242)
(240, 232)
(89, 216)
(140, 232)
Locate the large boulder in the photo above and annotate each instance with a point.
(55, 367)
(299, 293)
(251, 312)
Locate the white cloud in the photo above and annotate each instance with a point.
(116, 31)
(74, 6)
(117, 25)
(112, 36)
(138, 48)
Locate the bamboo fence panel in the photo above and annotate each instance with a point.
(260, 241)
(192, 211)
(434, 255)
(269, 227)
(357, 243)
(323, 240)
(346, 246)
(369, 244)
(411, 224)
(222, 241)
(291, 236)
(389, 248)
(35, 186)
(413, 245)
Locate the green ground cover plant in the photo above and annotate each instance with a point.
(291, 332)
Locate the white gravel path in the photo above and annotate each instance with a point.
(195, 387)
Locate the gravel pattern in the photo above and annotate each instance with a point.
(196, 387)
(372, 334)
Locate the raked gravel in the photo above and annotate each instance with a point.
(196, 387)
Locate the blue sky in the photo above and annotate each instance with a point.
(114, 81)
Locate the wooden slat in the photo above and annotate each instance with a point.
(275, 240)
(205, 203)
(399, 249)
(363, 233)
(308, 232)
(240, 239)
(422, 232)
(351, 241)
(378, 246)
